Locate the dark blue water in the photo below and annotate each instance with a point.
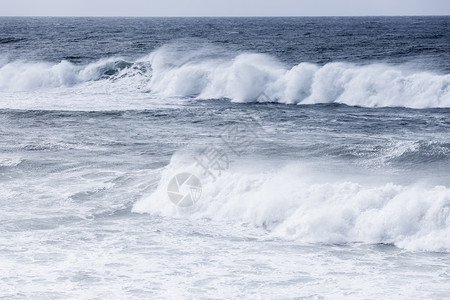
(293, 40)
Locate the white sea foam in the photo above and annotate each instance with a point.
(293, 203)
(30, 76)
(244, 77)
(213, 74)
(10, 162)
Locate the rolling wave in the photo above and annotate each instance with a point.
(245, 77)
(294, 203)
(31, 76)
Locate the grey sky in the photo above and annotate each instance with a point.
(222, 8)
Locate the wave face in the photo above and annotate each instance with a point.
(244, 77)
(31, 76)
(293, 202)
(213, 73)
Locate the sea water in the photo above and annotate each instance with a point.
(320, 146)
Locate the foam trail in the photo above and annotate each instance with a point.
(293, 205)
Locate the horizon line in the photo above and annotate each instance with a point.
(213, 16)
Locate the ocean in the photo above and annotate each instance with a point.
(225, 158)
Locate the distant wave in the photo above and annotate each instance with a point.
(8, 40)
(246, 77)
(293, 204)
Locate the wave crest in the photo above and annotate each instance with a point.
(209, 73)
(294, 203)
(245, 77)
(31, 76)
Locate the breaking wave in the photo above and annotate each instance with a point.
(30, 76)
(209, 73)
(294, 203)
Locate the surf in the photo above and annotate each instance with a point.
(294, 202)
(212, 73)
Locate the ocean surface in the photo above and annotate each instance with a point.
(317, 152)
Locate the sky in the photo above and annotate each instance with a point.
(190, 8)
